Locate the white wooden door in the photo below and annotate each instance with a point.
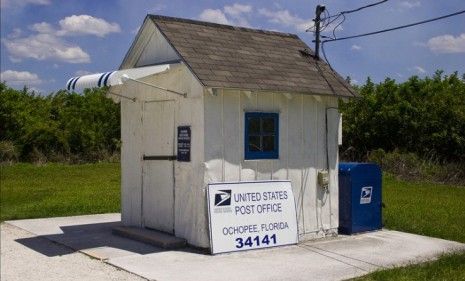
(158, 166)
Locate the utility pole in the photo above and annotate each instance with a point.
(319, 9)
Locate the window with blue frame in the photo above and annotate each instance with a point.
(261, 135)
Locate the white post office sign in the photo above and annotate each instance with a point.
(251, 215)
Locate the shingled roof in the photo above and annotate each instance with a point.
(224, 56)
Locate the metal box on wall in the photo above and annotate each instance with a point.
(359, 197)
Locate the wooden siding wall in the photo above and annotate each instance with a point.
(190, 215)
(302, 150)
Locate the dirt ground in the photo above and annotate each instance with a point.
(56, 262)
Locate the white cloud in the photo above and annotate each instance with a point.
(238, 13)
(42, 27)
(14, 77)
(355, 47)
(214, 15)
(82, 72)
(235, 14)
(285, 18)
(48, 42)
(85, 24)
(419, 69)
(77, 25)
(237, 9)
(447, 44)
(409, 4)
(21, 3)
(16, 33)
(45, 46)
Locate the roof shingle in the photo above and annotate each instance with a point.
(236, 57)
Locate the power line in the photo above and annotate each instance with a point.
(325, 23)
(363, 7)
(378, 32)
(336, 16)
(334, 29)
(351, 11)
(394, 28)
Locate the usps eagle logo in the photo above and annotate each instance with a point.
(365, 197)
(223, 198)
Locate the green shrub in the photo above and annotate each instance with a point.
(63, 126)
(409, 166)
(422, 116)
(8, 152)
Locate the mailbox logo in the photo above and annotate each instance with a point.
(365, 196)
(223, 198)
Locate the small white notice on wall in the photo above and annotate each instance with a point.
(251, 215)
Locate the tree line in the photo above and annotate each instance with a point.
(62, 126)
(425, 116)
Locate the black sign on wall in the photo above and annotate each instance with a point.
(184, 144)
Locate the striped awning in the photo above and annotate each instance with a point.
(113, 78)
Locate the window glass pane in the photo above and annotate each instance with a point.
(268, 125)
(268, 143)
(254, 126)
(254, 143)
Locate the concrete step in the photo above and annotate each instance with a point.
(152, 237)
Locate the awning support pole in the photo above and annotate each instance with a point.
(121, 96)
(158, 87)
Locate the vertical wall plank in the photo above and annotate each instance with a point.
(309, 171)
(280, 167)
(232, 135)
(213, 137)
(322, 194)
(295, 139)
(333, 132)
(131, 169)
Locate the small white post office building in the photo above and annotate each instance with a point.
(203, 103)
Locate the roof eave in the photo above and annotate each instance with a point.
(282, 92)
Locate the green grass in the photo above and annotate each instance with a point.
(450, 267)
(427, 209)
(30, 191)
(424, 208)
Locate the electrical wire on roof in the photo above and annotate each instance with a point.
(395, 28)
(363, 7)
(339, 24)
(378, 32)
(326, 20)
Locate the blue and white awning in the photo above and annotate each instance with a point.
(113, 78)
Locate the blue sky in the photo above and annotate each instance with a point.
(45, 42)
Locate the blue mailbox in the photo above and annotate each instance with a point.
(359, 197)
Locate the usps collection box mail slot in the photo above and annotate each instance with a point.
(251, 215)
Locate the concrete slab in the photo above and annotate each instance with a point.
(91, 235)
(335, 259)
(151, 237)
(388, 248)
(55, 262)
